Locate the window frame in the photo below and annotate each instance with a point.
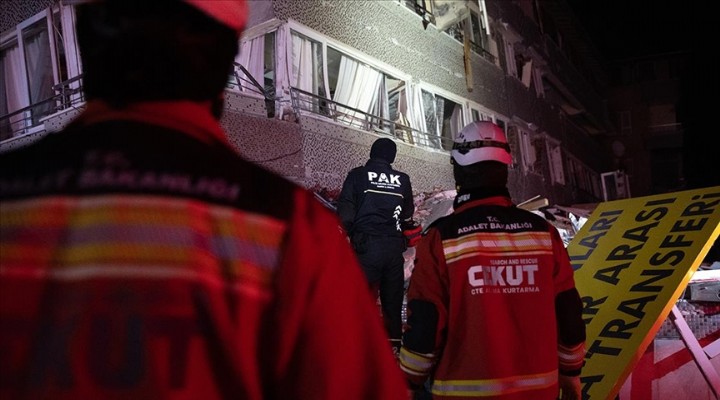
(555, 156)
(69, 66)
(436, 91)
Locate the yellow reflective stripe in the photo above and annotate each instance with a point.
(415, 363)
(494, 387)
(497, 243)
(571, 355)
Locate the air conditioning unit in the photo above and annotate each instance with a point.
(449, 12)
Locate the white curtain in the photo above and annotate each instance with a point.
(302, 64)
(252, 57)
(415, 113)
(307, 73)
(381, 106)
(283, 71)
(357, 87)
(456, 124)
(39, 67)
(14, 89)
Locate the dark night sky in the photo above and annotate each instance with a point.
(630, 28)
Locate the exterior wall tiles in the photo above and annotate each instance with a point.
(274, 144)
(13, 12)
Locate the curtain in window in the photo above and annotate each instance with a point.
(13, 89)
(252, 57)
(431, 119)
(416, 113)
(453, 124)
(357, 87)
(38, 61)
(307, 73)
(283, 71)
(381, 107)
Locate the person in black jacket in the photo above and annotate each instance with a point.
(376, 209)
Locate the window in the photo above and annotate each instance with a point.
(307, 65)
(422, 8)
(614, 185)
(511, 133)
(529, 151)
(360, 87)
(476, 24)
(32, 61)
(257, 56)
(555, 158)
(510, 62)
(478, 115)
(539, 83)
(443, 119)
(343, 84)
(583, 178)
(361, 92)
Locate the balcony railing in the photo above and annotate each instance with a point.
(309, 103)
(459, 35)
(245, 82)
(69, 94)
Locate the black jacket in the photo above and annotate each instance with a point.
(376, 199)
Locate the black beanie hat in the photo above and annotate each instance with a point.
(384, 149)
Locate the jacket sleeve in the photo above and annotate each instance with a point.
(332, 344)
(347, 203)
(427, 296)
(568, 311)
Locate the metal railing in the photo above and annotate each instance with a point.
(69, 94)
(307, 102)
(459, 35)
(245, 82)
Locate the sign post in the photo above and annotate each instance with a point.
(632, 261)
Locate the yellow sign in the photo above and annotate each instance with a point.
(632, 260)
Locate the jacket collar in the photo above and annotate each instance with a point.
(484, 195)
(377, 161)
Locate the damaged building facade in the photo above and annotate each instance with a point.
(316, 82)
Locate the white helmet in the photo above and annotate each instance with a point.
(481, 141)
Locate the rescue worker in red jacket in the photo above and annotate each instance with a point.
(142, 258)
(376, 209)
(493, 312)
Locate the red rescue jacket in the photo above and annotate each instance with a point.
(141, 258)
(488, 285)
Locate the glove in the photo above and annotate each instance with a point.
(412, 233)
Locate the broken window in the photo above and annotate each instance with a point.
(529, 152)
(443, 119)
(475, 23)
(257, 57)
